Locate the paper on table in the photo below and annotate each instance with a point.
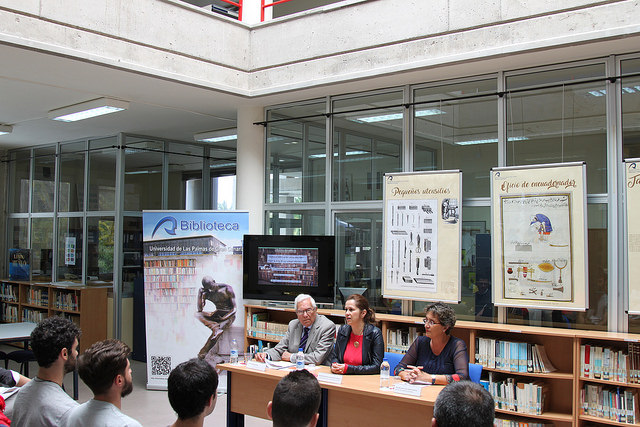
(279, 364)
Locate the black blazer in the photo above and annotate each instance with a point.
(372, 349)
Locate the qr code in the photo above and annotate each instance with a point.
(160, 365)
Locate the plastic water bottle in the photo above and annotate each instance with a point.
(300, 360)
(233, 354)
(385, 379)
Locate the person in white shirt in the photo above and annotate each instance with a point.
(106, 369)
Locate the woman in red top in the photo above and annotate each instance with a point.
(359, 347)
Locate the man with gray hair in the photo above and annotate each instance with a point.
(311, 331)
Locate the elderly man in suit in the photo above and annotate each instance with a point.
(311, 331)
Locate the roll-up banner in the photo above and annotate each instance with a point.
(632, 191)
(539, 223)
(422, 236)
(192, 287)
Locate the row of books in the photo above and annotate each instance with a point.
(171, 270)
(9, 313)
(188, 262)
(610, 403)
(35, 316)
(38, 296)
(170, 278)
(66, 301)
(498, 422)
(399, 340)
(73, 317)
(512, 356)
(260, 327)
(9, 292)
(609, 364)
(521, 397)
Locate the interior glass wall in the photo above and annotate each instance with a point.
(295, 223)
(44, 174)
(185, 177)
(41, 249)
(71, 182)
(630, 98)
(143, 174)
(69, 255)
(19, 170)
(102, 174)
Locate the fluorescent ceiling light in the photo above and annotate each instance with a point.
(348, 153)
(625, 89)
(217, 135)
(396, 116)
(5, 129)
(87, 110)
(490, 140)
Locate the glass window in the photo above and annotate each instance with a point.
(18, 233)
(223, 192)
(100, 248)
(458, 134)
(596, 316)
(69, 249)
(296, 154)
(143, 174)
(222, 169)
(132, 268)
(367, 143)
(559, 124)
(102, 174)
(630, 109)
(43, 179)
(185, 177)
(295, 223)
(19, 167)
(71, 186)
(41, 249)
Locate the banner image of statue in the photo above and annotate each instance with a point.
(539, 240)
(536, 242)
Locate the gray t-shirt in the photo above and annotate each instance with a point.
(40, 403)
(96, 413)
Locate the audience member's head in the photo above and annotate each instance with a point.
(51, 338)
(192, 389)
(296, 400)
(106, 364)
(463, 403)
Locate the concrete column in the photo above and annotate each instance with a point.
(251, 11)
(250, 166)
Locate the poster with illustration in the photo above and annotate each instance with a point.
(539, 247)
(632, 191)
(192, 288)
(422, 220)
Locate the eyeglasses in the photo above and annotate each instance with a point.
(308, 311)
(430, 322)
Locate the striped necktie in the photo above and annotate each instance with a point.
(305, 336)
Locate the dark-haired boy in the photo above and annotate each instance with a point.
(296, 400)
(106, 369)
(192, 389)
(42, 401)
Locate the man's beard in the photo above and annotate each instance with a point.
(69, 365)
(128, 388)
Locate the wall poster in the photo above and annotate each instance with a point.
(422, 240)
(632, 190)
(540, 236)
(192, 288)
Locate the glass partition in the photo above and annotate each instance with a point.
(44, 174)
(185, 177)
(19, 174)
(630, 95)
(69, 253)
(41, 249)
(100, 232)
(18, 233)
(295, 223)
(143, 174)
(71, 182)
(102, 175)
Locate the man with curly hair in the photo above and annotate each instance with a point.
(42, 401)
(106, 369)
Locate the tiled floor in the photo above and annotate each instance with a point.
(149, 407)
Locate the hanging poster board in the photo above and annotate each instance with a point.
(192, 288)
(540, 236)
(632, 191)
(422, 240)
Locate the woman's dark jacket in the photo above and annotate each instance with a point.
(372, 349)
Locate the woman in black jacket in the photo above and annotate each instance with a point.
(359, 347)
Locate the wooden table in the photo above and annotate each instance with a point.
(21, 331)
(357, 401)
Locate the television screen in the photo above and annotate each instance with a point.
(281, 267)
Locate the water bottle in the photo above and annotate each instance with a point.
(385, 379)
(300, 360)
(233, 354)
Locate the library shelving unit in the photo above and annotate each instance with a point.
(86, 306)
(562, 403)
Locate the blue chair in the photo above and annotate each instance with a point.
(475, 371)
(393, 359)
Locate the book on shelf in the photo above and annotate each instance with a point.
(518, 396)
(9, 292)
(399, 340)
(607, 364)
(613, 404)
(512, 356)
(19, 264)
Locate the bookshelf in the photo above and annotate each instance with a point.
(32, 302)
(562, 403)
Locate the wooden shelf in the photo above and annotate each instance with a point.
(555, 375)
(40, 307)
(63, 310)
(276, 340)
(10, 302)
(611, 383)
(551, 416)
(603, 421)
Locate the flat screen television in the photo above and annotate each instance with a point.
(280, 267)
